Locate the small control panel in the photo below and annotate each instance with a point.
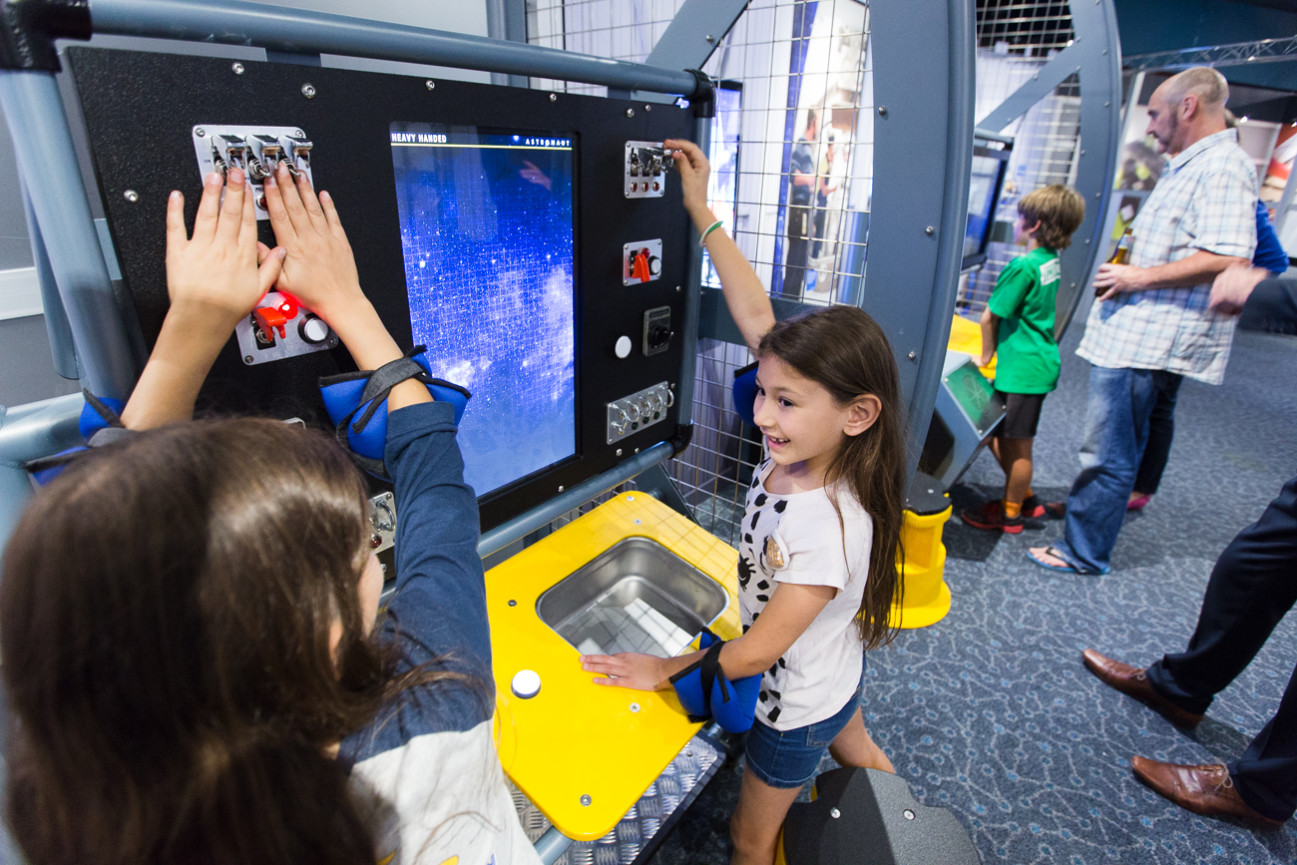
(280, 328)
(646, 169)
(633, 413)
(657, 330)
(382, 518)
(258, 150)
(641, 261)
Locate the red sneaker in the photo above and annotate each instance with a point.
(1033, 508)
(990, 516)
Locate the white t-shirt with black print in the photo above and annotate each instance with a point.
(797, 538)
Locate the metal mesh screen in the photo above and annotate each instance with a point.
(1015, 38)
(781, 61)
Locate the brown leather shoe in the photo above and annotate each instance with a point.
(1207, 790)
(1132, 682)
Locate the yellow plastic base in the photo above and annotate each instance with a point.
(966, 337)
(584, 753)
(927, 597)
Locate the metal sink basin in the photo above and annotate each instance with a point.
(636, 596)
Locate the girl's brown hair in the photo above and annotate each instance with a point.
(165, 618)
(846, 352)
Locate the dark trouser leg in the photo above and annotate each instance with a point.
(1252, 586)
(1266, 774)
(799, 219)
(1161, 430)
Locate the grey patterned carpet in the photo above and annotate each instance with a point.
(990, 713)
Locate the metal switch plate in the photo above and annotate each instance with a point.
(382, 517)
(303, 333)
(642, 409)
(645, 169)
(255, 149)
(641, 261)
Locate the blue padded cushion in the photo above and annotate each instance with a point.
(745, 393)
(342, 402)
(92, 421)
(705, 692)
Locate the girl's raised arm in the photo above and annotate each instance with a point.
(320, 271)
(213, 280)
(745, 296)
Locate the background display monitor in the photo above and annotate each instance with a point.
(985, 184)
(488, 236)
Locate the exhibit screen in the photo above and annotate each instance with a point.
(985, 183)
(487, 231)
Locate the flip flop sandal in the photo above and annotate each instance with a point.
(1050, 551)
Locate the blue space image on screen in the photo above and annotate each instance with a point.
(487, 232)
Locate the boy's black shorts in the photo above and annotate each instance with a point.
(1021, 415)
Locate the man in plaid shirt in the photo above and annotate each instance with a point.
(1151, 323)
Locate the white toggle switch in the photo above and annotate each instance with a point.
(525, 684)
(623, 347)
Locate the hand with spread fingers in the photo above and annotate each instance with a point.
(629, 670)
(216, 270)
(320, 270)
(213, 279)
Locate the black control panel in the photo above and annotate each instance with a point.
(496, 225)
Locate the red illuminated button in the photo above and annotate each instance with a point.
(288, 305)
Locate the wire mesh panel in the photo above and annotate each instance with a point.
(792, 174)
(1015, 38)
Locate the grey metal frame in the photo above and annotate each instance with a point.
(917, 219)
(1095, 57)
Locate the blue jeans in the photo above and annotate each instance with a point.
(1161, 430)
(789, 758)
(1116, 430)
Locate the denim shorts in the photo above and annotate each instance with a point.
(790, 758)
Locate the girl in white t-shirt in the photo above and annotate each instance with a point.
(817, 564)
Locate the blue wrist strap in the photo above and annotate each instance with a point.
(745, 393)
(100, 424)
(357, 404)
(705, 692)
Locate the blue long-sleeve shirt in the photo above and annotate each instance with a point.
(1269, 253)
(426, 770)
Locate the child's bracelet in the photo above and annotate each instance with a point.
(702, 240)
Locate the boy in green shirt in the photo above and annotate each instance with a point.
(1018, 323)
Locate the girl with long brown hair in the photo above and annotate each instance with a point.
(817, 552)
(189, 616)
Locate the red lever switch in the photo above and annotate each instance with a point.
(270, 319)
(640, 266)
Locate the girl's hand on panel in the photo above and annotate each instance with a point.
(320, 270)
(215, 273)
(694, 170)
(629, 670)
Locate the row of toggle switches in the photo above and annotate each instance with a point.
(633, 413)
(256, 150)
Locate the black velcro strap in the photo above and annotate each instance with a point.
(382, 380)
(105, 411)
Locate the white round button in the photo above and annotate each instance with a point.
(623, 347)
(314, 330)
(525, 684)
